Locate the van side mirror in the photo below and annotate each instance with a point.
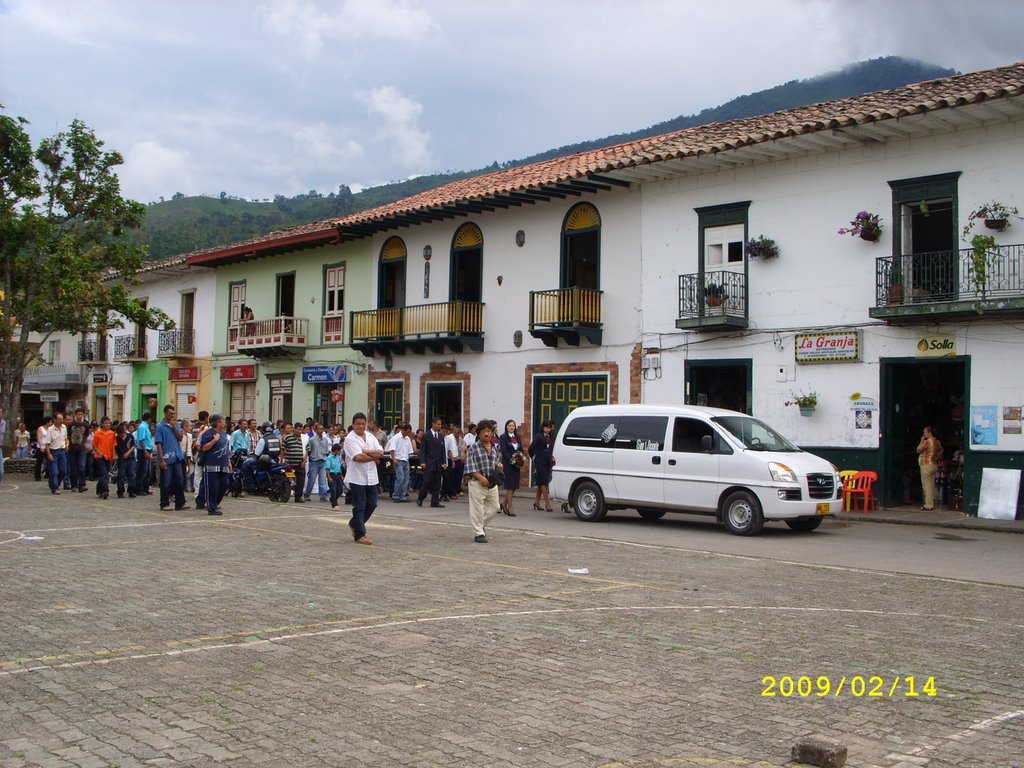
(706, 444)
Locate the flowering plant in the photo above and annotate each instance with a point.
(803, 400)
(518, 459)
(864, 225)
(762, 247)
(996, 216)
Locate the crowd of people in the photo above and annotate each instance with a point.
(351, 466)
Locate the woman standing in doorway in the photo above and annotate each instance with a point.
(929, 454)
(512, 458)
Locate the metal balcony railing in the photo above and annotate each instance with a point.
(949, 277)
(93, 350)
(715, 295)
(129, 347)
(176, 343)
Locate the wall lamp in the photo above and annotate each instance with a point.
(427, 252)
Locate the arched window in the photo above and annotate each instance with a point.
(581, 248)
(467, 264)
(391, 280)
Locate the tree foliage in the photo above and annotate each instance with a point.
(67, 262)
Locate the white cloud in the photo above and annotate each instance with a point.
(151, 170)
(321, 144)
(401, 117)
(308, 23)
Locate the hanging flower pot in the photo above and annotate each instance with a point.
(805, 401)
(865, 225)
(871, 233)
(997, 224)
(806, 410)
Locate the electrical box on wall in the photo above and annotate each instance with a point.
(650, 362)
(784, 373)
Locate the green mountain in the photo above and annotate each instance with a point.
(185, 224)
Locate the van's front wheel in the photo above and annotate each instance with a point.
(741, 513)
(588, 502)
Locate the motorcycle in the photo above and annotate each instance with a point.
(269, 479)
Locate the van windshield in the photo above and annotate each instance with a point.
(754, 434)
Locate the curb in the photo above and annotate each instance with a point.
(966, 523)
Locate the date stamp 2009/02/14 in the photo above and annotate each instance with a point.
(858, 686)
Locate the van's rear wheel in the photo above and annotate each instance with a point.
(651, 514)
(741, 514)
(804, 524)
(588, 502)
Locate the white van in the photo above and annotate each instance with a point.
(662, 458)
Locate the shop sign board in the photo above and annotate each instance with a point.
(323, 374)
(238, 373)
(100, 378)
(936, 346)
(49, 396)
(828, 347)
(188, 373)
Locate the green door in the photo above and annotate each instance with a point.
(554, 397)
(388, 405)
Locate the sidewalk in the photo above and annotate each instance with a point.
(939, 517)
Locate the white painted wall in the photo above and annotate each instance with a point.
(823, 279)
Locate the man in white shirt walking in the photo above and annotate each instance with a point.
(400, 448)
(362, 452)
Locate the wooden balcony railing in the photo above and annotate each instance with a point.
(276, 335)
(454, 324)
(566, 313)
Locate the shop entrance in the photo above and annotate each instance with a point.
(444, 400)
(918, 394)
(719, 384)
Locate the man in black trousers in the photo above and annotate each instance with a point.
(434, 459)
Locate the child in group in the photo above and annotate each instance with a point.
(334, 473)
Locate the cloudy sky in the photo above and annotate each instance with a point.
(260, 97)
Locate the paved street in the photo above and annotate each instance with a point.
(132, 637)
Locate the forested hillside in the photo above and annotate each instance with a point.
(184, 224)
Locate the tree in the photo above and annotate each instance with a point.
(67, 262)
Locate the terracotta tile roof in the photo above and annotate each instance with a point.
(918, 98)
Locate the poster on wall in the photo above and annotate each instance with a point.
(862, 418)
(1011, 419)
(984, 419)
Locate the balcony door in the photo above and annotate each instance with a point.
(581, 248)
(467, 261)
(925, 237)
(285, 295)
(391, 285)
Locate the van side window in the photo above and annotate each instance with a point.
(642, 433)
(687, 433)
(593, 431)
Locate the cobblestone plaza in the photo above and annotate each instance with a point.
(131, 637)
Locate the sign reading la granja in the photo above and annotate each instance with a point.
(828, 347)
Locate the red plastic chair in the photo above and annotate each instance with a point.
(859, 487)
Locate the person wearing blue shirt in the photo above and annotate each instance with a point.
(172, 461)
(334, 473)
(213, 443)
(240, 438)
(144, 447)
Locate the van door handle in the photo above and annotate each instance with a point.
(672, 462)
(656, 460)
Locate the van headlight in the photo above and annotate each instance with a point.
(781, 473)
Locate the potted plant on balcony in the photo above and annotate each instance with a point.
(982, 247)
(714, 294)
(805, 401)
(865, 225)
(894, 291)
(762, 247)
(996, 216)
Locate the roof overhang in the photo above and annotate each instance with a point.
(269, 247)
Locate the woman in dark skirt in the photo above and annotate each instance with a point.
(543, 461)
(510, 445)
